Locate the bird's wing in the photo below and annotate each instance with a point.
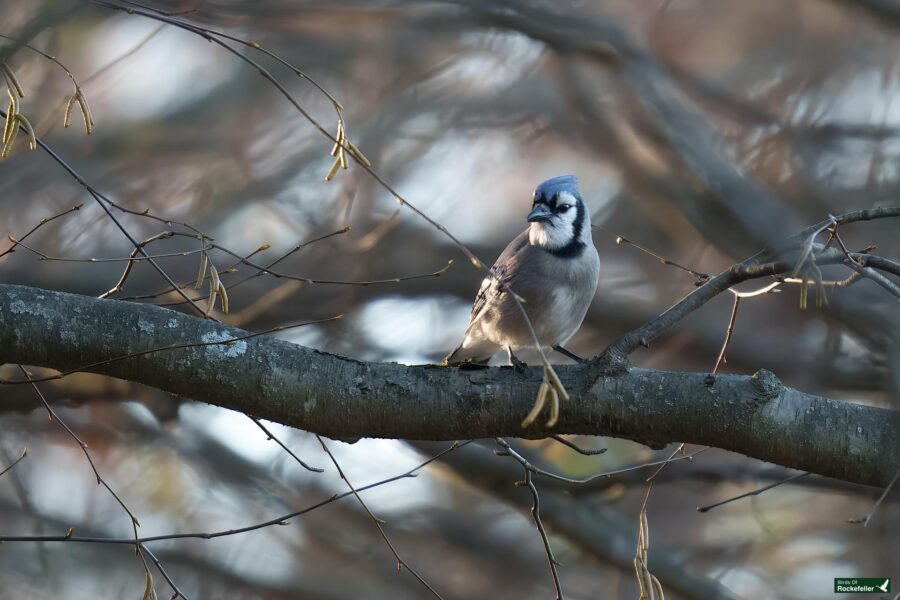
(490, 287)
(502, 274)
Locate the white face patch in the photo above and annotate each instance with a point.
(559, 230)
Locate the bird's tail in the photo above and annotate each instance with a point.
(471, 351)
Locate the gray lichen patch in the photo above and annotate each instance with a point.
(224, 350)
(20, 307)
(146, 326)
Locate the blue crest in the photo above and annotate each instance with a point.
(554, 185)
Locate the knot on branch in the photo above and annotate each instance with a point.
(766, 385)
(611, 363)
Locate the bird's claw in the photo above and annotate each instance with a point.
(518, 364)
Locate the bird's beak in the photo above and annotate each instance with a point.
(539, 213)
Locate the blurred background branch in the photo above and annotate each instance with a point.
(702, 131)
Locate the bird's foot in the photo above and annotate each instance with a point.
(551, 390)
(518, 364)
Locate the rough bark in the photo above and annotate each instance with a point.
(347, 399)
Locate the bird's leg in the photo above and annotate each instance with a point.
(568, 354)
(514, 361)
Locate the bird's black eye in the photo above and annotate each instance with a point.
(563, 207)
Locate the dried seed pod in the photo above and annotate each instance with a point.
(68, 112)
(85, 112)
(201, 273)
(8, 144)
(333, 170)
(224, 294)
(32, 140)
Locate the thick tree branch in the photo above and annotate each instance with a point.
(345, 398)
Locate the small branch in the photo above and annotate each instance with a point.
(701, 277)
(376, 521)
(15, 462)
(575, 447)
(535, 509)
(878, 262)
(877, 277)
(100, 480)
(162, 571)
(286, 449)
(121, 283)
(42, 222)
(774, 262)
(865, 520)
(728, 332)
(755, 492)
(281, 520)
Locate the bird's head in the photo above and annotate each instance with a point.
(559, 222)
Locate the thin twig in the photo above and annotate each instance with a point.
(121, 283)
(233, 266)
(701, 277)
(40, 224)
(550, 475)
(100, 480)
(133, 258)
(728, 333)
(162, 571)
(376, 521)
(104, 202)
(281, 520)
(766, 264)
(575, 447)
(865, 520)
(536, 515)
(535, 509)
(15, 462)
(755, 492)
(286, 449)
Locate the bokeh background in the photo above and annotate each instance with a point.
(701, 129)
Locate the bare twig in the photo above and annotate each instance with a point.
(281, 520)
(177, 592)
(100, 480)
(42, 222)
(700, 277)
(865, 520)
(272, 437)
(755, 492)
(575, 447)
(728, 332)
(104, 202)
(238, 262)
(774, 262)
(15, 462)
(535, 509)
(376, 521)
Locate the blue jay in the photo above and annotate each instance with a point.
(552, 266)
